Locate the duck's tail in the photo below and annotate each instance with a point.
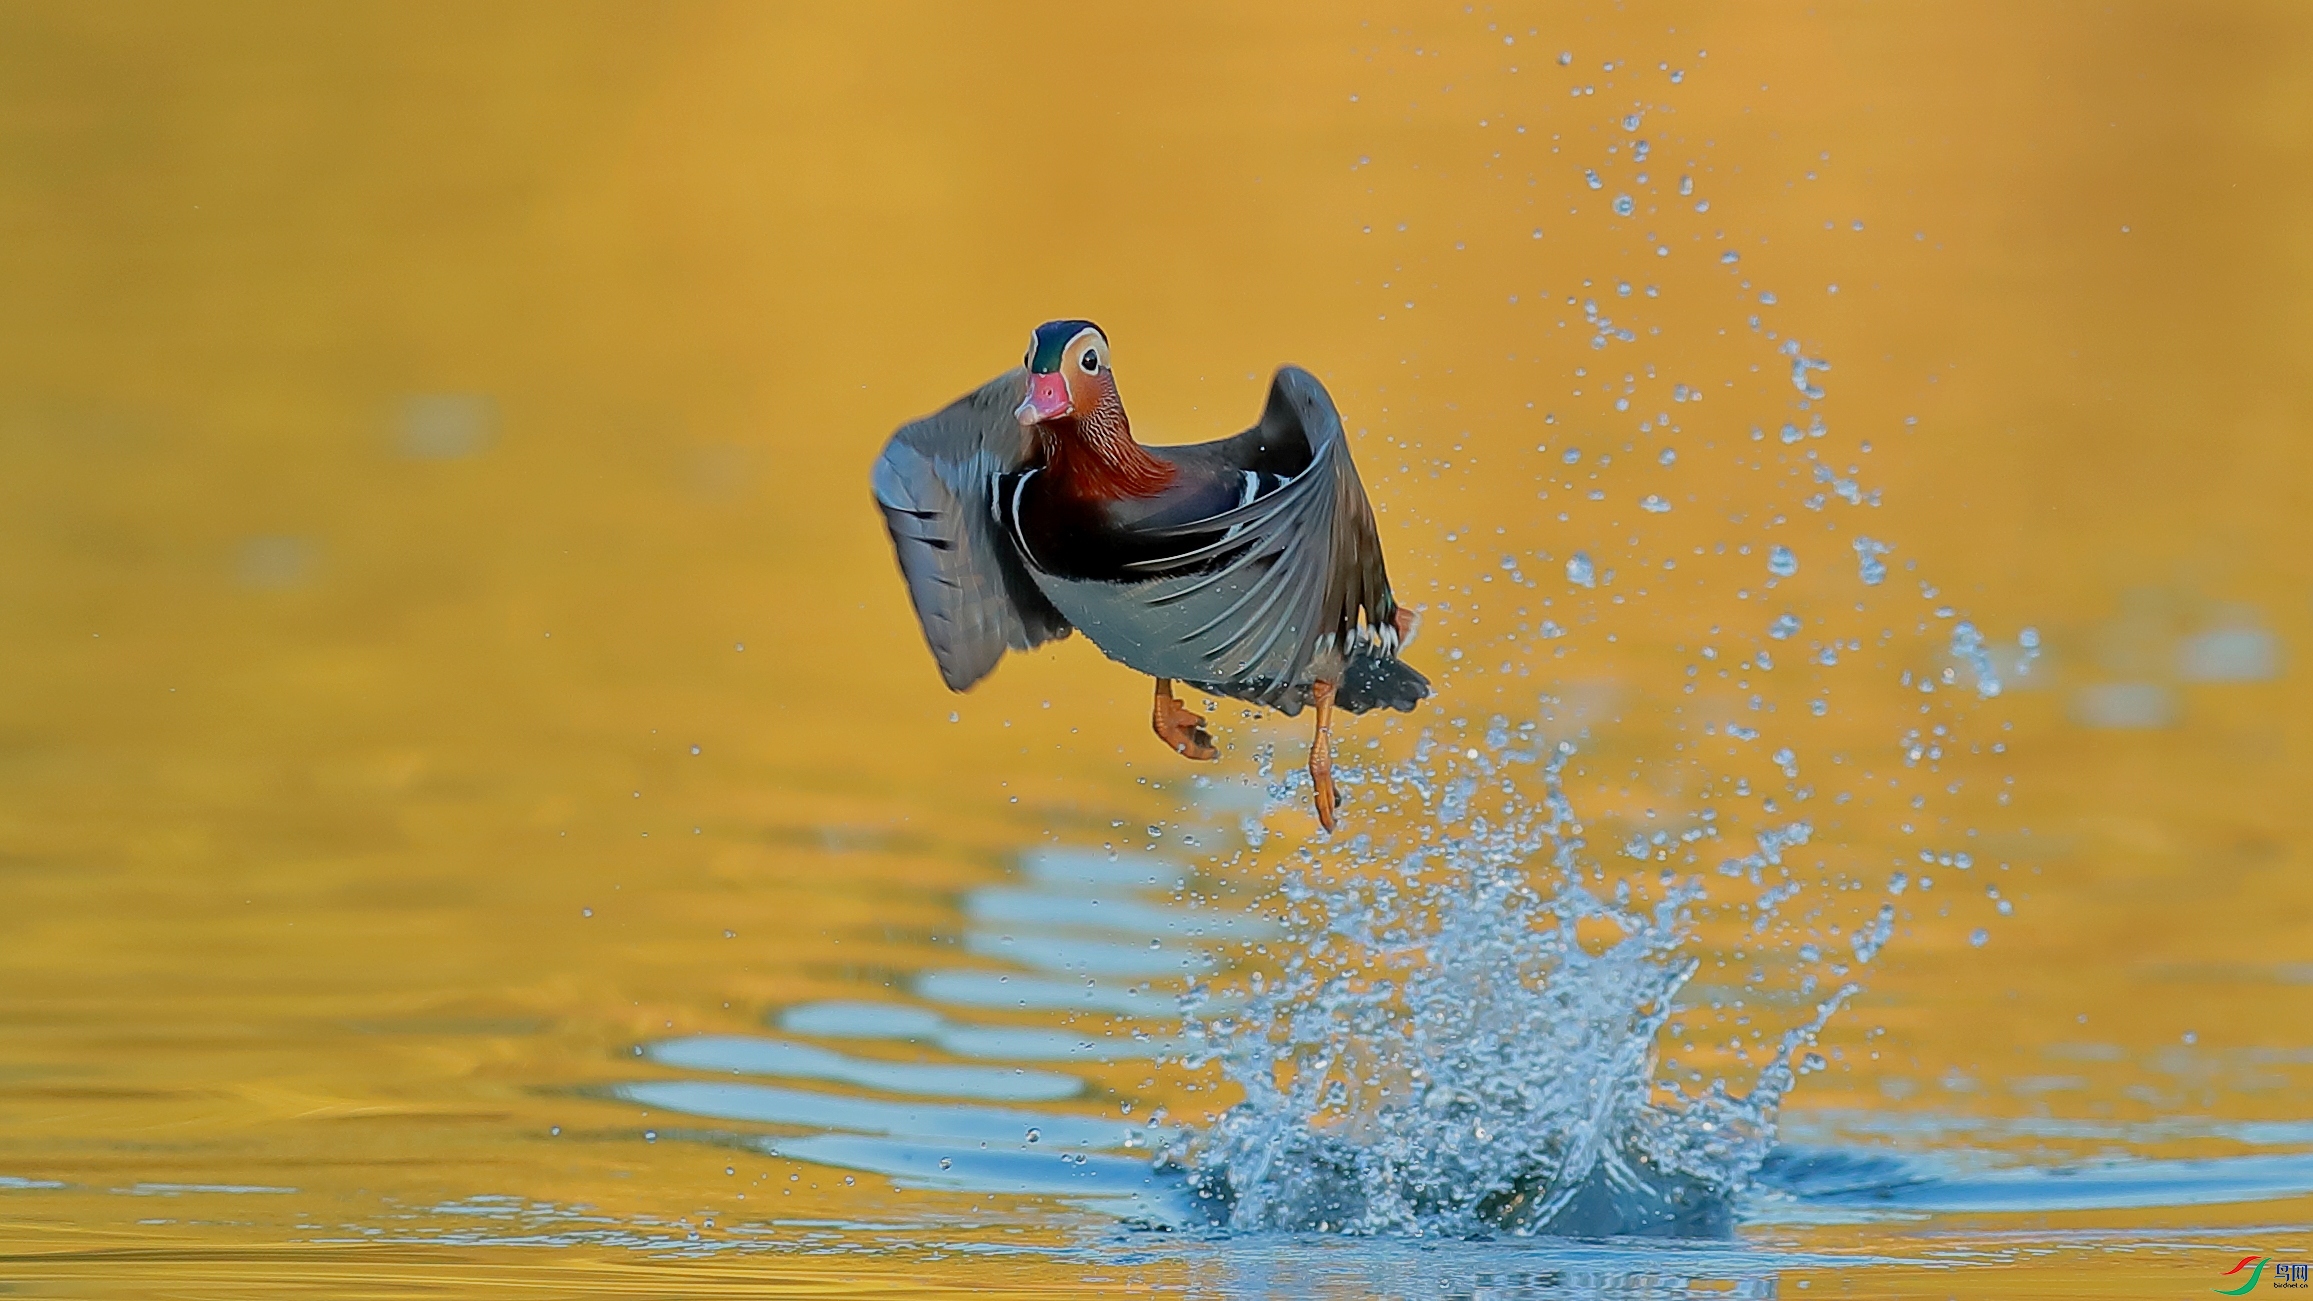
(1372, 679)
(1375, 680)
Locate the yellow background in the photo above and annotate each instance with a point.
(314, 740)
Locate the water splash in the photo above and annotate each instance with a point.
(1453, 1046)
(1459, 1035)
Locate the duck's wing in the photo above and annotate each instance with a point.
(1286, 586)
(935, 482)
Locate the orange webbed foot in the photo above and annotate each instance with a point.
(1180, 729)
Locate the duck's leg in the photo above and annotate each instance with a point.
(1178, 728)
(1321, 752)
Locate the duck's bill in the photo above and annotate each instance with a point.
(1047, 400)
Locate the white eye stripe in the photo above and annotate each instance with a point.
(1094, 354)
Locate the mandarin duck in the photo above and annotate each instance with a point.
(1247, 567)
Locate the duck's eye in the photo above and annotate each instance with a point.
(1091, 362)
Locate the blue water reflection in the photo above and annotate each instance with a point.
(742, 1055)
(853, 1019)
(994, 989)
(811, 1109)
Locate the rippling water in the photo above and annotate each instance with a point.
(478, 819)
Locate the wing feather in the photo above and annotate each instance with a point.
(935, 483)
(1295, 578)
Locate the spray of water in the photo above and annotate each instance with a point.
(1484, 1026)
(1463, 1037)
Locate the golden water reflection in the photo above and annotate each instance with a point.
(446, 643)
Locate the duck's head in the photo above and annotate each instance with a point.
(1067, 372)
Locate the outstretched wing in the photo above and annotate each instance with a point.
(971, 592)
(1287, 585)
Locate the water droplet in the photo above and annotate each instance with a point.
(1591, 178)
(1780, 562)
(1624, 206)
(1868, 565)
(945, 1163)
(1669, 456)
(1979, 937)
(1867, 941)
(1730, 257)
(1579, 570)
(1783, 627)
(1035, 1135)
